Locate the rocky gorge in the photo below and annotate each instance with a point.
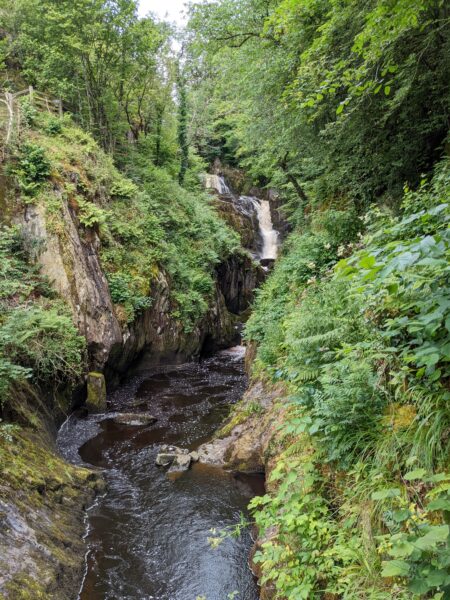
(43, 515)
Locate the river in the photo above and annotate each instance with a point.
(147, 536)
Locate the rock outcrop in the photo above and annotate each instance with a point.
(68, 256)
(42, 504)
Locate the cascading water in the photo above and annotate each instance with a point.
(218, 184)
(250, 206)
(269, 235)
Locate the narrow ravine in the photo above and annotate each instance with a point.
(147, 536)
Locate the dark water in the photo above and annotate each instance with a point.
(148, 535)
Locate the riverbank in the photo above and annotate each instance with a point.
(98, 272)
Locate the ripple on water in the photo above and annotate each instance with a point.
(148, 535)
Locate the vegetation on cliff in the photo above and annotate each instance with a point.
(344, 107)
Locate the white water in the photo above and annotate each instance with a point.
(249, 205)
(217, 183)
(269, 235)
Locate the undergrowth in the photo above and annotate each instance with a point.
(359, 497)
(150, 228)
(37, 337)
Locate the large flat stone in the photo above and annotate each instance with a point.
(135, 419)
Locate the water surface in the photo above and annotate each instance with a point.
(148, 535)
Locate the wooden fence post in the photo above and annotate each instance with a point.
(10, 106)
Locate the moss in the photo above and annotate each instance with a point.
(96, 391)
(237, 417)
(25, 587)
(48, 495)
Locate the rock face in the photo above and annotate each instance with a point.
(238, 277)
(69, 256)
(42, 504)
(242, 442)
(245, 222)
(70, 261)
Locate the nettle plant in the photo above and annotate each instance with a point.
(417, 548)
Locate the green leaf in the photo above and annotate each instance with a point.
(416, 474)
(439, 504)
(386, 493)
(395, 568)
(387, 90)
(437, 534)
(418, 586)
(401, 515)
(367, 262)
(402, 549)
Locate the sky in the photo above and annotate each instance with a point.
(170, 10)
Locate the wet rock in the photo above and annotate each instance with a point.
(181, 463)
(213, 453)
(96, 392)
(172, 455)
(164, 459)
(135, 419)
(194, 455)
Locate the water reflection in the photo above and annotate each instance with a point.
(148, 535)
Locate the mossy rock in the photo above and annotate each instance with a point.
(96, 391)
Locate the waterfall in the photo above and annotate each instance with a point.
(249, 206)
(218, 184)
(269, 235)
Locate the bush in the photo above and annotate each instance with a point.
(32, 169)
(45, 341)
(54, 125)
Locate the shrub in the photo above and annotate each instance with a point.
(32, 169)
(90, 214)
(45, 341)
(54, 125)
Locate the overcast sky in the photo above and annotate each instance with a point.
(170, 10)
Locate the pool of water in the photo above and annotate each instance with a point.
(147, 536)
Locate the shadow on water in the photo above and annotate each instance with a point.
(148, 535)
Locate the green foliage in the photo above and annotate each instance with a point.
(37, 337)
(164, 228)
(100, 58)
(32, 168)
(326, 92)
(44, 340)
(54, 125)
(416, 548)
(125, 290)
(90, 214)
(362, 351)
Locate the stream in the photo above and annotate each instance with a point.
(147, 536)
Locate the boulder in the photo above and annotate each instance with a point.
(194, 456)
(134, 419)
(179, 458)
(181, 463)
(164, 459)
(96, 391)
